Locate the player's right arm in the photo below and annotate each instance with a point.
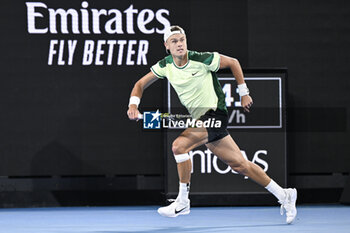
(137, 92)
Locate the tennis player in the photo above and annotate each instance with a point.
(193, 76)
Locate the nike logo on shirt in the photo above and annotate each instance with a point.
(178, 211)
(193, 74)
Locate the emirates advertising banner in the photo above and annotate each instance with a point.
(260, 134)
(116, 33)
(87, 20)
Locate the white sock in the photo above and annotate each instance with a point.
(184, 190)
(276, 190)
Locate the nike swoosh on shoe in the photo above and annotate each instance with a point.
(178, 211)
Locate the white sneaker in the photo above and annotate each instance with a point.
(288, 204)
(175, 209)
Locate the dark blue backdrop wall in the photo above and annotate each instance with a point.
(312, 39)
(64, 91)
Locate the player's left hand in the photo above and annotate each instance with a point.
(246, 102)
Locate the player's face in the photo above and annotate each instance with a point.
(177, 45)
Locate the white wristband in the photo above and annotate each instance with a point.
(134, 100)
(243, 89)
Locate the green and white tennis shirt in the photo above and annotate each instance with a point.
(195, 83)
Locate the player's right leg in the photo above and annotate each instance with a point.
(189, 139)
(227, 150)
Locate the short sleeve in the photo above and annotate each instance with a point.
(158, 71)
(215, 62)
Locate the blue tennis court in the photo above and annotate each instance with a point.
(318, 218)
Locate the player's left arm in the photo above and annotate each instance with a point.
(235, 67)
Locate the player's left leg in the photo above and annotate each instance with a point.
(227, 150)
(186, 141)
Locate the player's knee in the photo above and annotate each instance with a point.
(178, 148)
(180, 152)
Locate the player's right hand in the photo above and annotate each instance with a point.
(133, 112)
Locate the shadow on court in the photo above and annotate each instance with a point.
(196, 229)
